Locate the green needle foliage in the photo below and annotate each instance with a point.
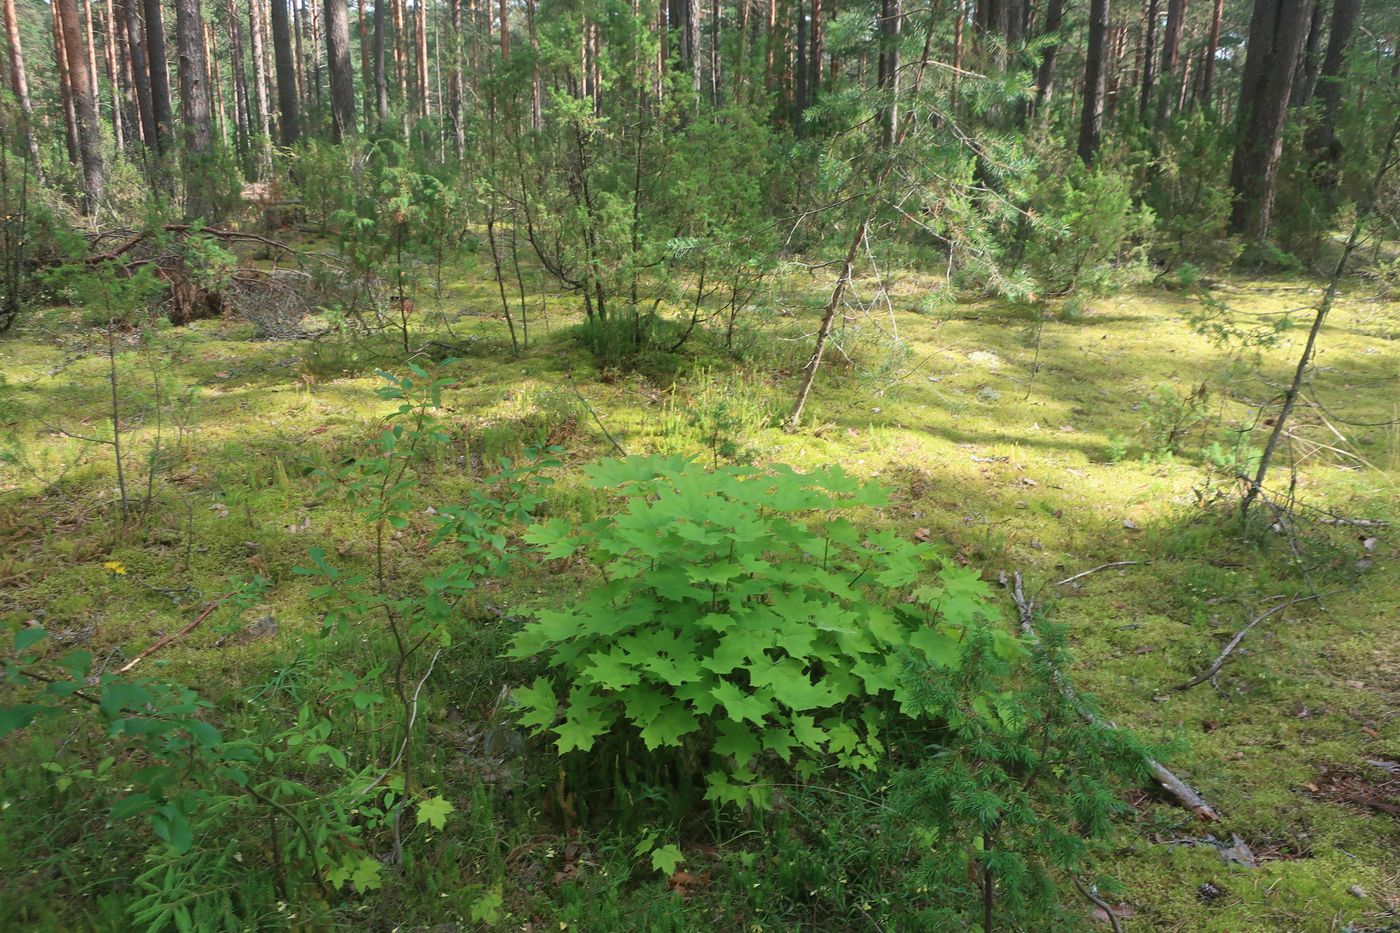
(744, 622)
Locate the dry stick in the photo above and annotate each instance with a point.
(1101, 904)
(1116, 563)
(1214, 669)
(604, 427)
(1183, 792)
(208, 611)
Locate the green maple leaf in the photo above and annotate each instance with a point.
(537, 704)
(611, 670)
(736, 739)
(665, 859)
(669, 725)
(939, 648)
(366, 876)
(740, 705)
(434, 811)
(792, 685)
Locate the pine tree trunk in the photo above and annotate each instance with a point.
(85, 121)
(109, 34)
(19, 83)
(288, 103)
(891, 15)
(456, 101)
(1091, 119)
(341, 72)
(242, 110)
(1212, 51)
(366, 72)
(1322, 135)
(1306, 73)
(213, 76)
(1045, 76)
(505, 32)
(195, 107)
(381, 80)
(261, 104)
(160, 78)
(1149, 66)
(65, 87)
(1171, 53)
(140, 71)
(425, 107)
(1276, 35)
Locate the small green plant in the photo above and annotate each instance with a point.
(1015, 796)
(1171, 417)
(722, 415)
(744, 622)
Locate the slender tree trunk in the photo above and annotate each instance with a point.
(505, 31)
(214, 77)
(241, 108)
(131, 104)
(536, 91)
(65, 87)
(19, 84)
(959, 14)
(381, 81)
(1322, 135)
(283, 50)
(1149, 66)
(1171, 54)
(456, 103)
(109, 25)
(425, 107)
(1091, 119)
(1276, 35)
(342, 73)
(85, 120)
(1045, 76)
(140, 71)
(366, 72)
(1306, 73)
(1212, 51)
(891, 14)
(160, 78)
(93, 74)
(833, 305)
(296, 23)
(194, 105)
(261, 99)
(1295, 388)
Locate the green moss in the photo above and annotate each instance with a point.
(1004, 461)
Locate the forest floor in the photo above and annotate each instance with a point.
(1050, 471)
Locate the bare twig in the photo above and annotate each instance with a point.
(161, 643)
(608, 434)
(1085, 573)
(1101, 904)
(1234, 643)
(1183, 792)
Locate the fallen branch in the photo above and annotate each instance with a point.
(1101, 904)
(161, 643)
(1234, 643)
(1183, 792)
(1117, 563)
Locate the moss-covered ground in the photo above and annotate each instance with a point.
(1024, 444)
